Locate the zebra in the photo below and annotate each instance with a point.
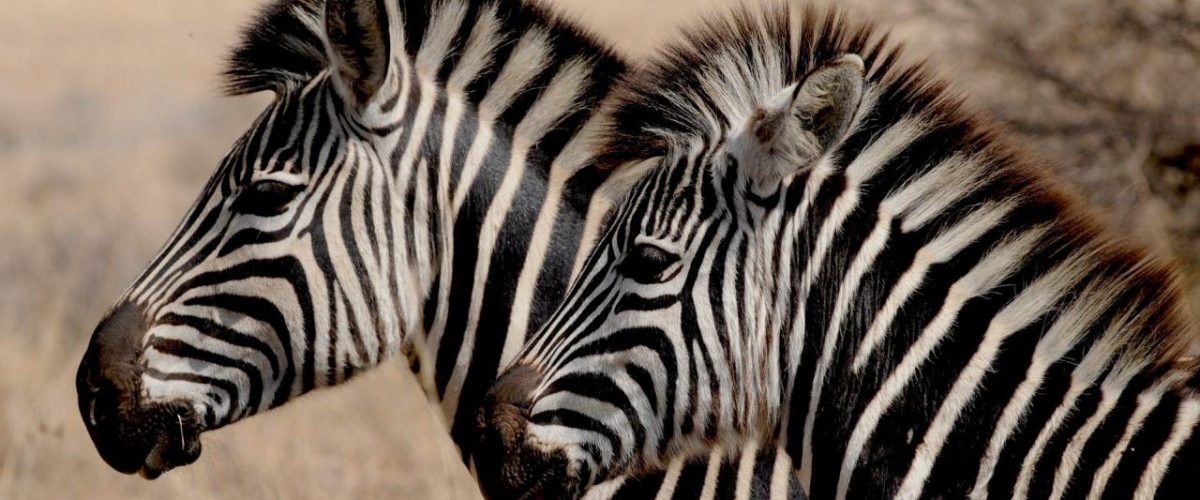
(425, 168)
(830, 251)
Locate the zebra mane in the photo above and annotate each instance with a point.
(729, 65)
(285, 44)
(280, 48)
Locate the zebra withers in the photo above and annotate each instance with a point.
(830, 251)
(424, 168)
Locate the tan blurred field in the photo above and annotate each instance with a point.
(110, 121)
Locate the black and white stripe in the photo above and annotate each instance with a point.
(734, 474)
(343, 229)
(423, 183)
(830, 253)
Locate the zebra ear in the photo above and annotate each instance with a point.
(359, 47)
(808, 119)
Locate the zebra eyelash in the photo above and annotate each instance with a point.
(648, 264)
(266, 198)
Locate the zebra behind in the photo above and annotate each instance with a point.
(830, 251)
(424, 168)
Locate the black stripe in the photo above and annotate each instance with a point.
(1150, 437)
(209, 328)
(184, 350)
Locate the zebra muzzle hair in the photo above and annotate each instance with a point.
(507, 464)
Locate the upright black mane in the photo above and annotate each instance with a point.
(281, 47)
(728, 65)
(285, 44)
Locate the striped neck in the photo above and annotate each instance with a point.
(492, 123)
(830, 251)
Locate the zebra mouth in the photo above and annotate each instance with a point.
(147, 440)
(176, 446)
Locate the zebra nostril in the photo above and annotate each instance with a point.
(92, 411)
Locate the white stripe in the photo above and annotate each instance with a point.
(439, 34)
(605, 490)
(605, 413)
(610, 194)
(728, 383)
(1185, 425)
(943, 248)
(745, 473)
(1084, 375)
(797, 332)
(670, 480)
(344, 271)
(986, 275)
(1027, 307)
(1146, 403)
(555, 102)
(781, 475)
(528, 59)
(952, 179)
(709, 491)
(476, 56)
(1110, 391)
(1054, 344)
(574, 156)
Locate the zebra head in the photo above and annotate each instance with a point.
(632, 366)
(284, 276)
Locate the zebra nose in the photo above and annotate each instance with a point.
(108, 381)
(109, 370)
(507, 463)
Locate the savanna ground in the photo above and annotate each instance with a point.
(110, 121)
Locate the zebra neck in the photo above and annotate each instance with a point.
(503, 233)
(950, 282)
(496, 111)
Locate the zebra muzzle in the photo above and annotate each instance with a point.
(131, 435)
(507, 463)
(147, 439)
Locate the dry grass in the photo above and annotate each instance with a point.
(109, 124)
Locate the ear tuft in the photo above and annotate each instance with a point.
(808, 119)
(829, 97)
(359, 46)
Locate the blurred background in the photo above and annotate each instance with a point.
(111, 120)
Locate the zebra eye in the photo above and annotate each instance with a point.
(647, 263)
(266, 198)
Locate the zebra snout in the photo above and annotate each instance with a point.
(507, 463)
(131, 435)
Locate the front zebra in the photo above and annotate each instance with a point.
(830, 252)
(425, 168)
